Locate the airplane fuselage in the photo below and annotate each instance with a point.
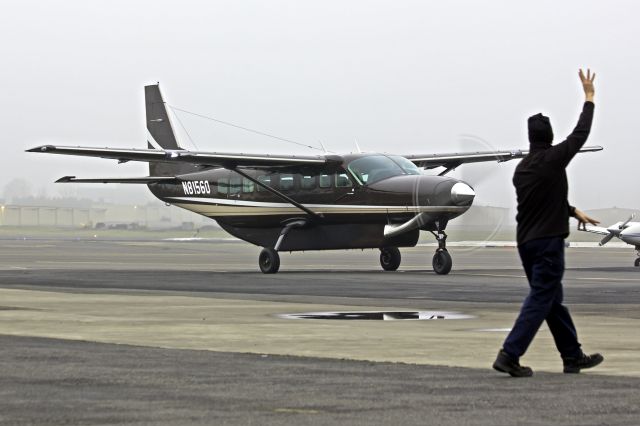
(630, 234)
(352, 205)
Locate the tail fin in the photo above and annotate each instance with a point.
(160, 133)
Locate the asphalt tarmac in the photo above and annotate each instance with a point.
(103, 332)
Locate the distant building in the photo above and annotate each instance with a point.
(87, 214)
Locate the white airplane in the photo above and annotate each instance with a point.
(627, 231)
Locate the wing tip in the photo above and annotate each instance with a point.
(42, 148)
(65, 179)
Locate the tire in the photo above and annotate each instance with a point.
(269, 261)
(442, 262)
(390, 258)
(637, 262)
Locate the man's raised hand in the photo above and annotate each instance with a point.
(587, 84)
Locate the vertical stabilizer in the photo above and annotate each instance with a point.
(159, 130)
(160, 133)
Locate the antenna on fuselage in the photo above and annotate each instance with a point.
(357, 146)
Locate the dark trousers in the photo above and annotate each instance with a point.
(543, 261)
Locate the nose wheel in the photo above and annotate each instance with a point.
(269, 261)
(442, 261)
(390, 258)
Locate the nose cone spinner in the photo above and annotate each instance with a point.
(462, 194)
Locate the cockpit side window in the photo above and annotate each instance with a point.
(342, 180)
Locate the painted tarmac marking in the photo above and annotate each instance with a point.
(295, 411)
(566, 278)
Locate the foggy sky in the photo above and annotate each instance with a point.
(398, 76)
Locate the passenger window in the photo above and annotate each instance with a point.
(286, 182)
(265, 180)
(342, 181)
(223, 186)
(247, 185)
(308, 182)
(325, 180)
(235, 184)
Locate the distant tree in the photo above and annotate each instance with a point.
(17, 188)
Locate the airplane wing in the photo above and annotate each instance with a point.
(451, 161)
(134, 180)
(211, 159)
(595, 230)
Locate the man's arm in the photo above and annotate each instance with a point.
(561, 154)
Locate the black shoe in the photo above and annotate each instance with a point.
(574, 365)
(506, 364)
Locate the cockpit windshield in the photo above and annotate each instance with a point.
(374, 168)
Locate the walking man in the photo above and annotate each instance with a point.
(543, 224)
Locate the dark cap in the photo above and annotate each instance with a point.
(540, 132)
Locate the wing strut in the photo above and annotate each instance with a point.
(279, 194)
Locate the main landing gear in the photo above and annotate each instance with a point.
(390, 258)
(269, 261)
(442, 261)
(637, 262)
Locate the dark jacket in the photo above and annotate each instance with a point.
(541, 184)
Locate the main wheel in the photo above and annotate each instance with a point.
(269, 261)
(637, 262)
(390, 258)
(442, 262)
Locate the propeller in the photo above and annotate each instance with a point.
(479, 176)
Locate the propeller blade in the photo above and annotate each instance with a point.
(624, 225)
(606, 239)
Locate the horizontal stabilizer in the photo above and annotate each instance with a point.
(135, 180)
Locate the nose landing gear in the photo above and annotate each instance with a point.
(637, 262)
(442, 261)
